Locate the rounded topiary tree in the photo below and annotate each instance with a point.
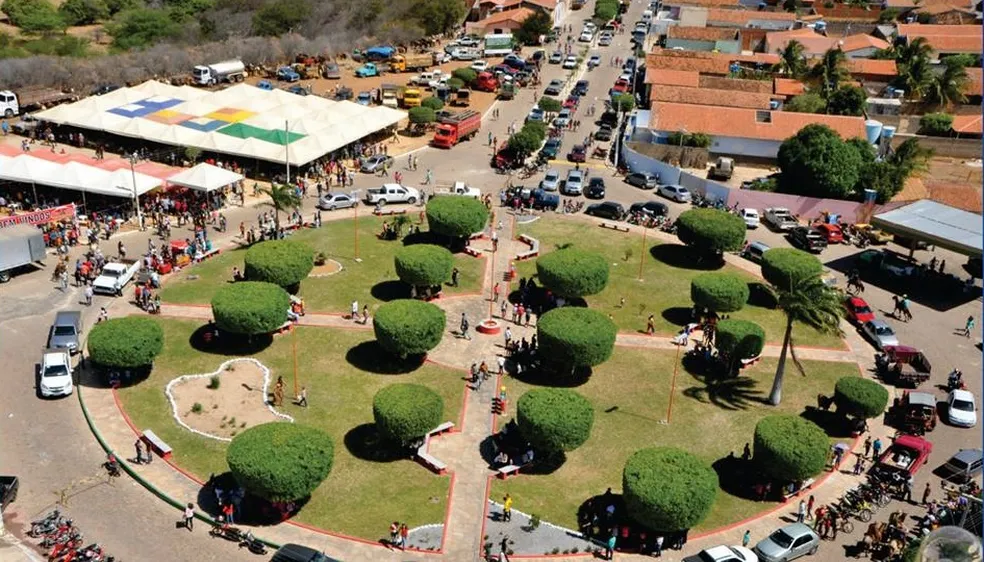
(280, 461)
(126, 343)
(860, 398)
(790, 448)
(578, 337)
(668, 489)
(281, 262)
(573, 273)
(457, 217)
(739, 339)
(250, 308)
(554, 420)
(423, 265)
(711, 231)
(406, 412)
(408, 327)
(785, 268)
(720, 292)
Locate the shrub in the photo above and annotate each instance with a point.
(280, 461)
(550, 105)
(214, 382)
(667, 489)
(422, 115)
(860, 397)
(406, 412)
(281, 262)
(806, 103)
(785, 268)
(790, 448)
(457, 217)
(83, 12)
(466, 75)
(711, 230)
(408, 327)
(739, 339)
(579, 337)
(196, 408)
(573, 273)
(623, 103)
(250, 308)
(938, 124)
(720, 292)
(455, 84)
(423, 265)
(129, 342)
(554, 419)
(432, 102)
(536, 128)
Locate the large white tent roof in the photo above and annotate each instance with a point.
(205, 177)
(75, 176)
(936, 223)
(242, 120)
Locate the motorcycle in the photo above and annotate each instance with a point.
(255, 545)
(47, 521)
(227, 532)
(112, 466)
(954, 381)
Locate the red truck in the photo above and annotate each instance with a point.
(456, 128)
(904, 457)
(486, 82)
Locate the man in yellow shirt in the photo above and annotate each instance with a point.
(507, 508)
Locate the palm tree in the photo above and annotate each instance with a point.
(282, 197)
(917, 76)
(910, 158)
(831, 71)
(792, 63)
(918, 48)
(948, 87)
(809, 302)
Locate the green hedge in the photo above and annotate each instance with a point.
(457, 217)
(937, 124)
(281, 262)
(574, 336)
(423, 265)
(784, 268)
(572, 273)
(858, 397)
(281, 461)
(668, 489)
(408, 327)
(406, 412)
(711, 230)
(720, 292)
(554, 419)
(129, 342)
(739, 339)
(790, 448)
(250, 308)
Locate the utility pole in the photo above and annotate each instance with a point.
(133, 178)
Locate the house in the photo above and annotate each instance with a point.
(873, 72)
(486, 15)
(739, 131)
(910, 5)
(944, 39)
(716, 39)
(750, 19)
(711, 97)
(721, 64)
(967, 126)
(500, 22)
(975, 82)
(949, 14)
(787, 87)
(815, 44)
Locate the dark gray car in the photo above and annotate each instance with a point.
(642, 180)
(299, 553)
(66, 330)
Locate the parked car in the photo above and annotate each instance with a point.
(621, 86)
(723, 553)
(607, 210)
(649, 208)
(754, 251)
(570, 62)
(562, 119)
(604, 133)
(331, 71)
(858, 311)
(880, 333)
(554, 88)
(479, 66)
(66, 331)
(581, 88)
(335, 200)
(56, 373)
(605, 39)
(375, 163)
(594, 61)
(961, 409)
(677, 193)
(556, 57)
(551, 181)
(875, 236)
(808, 239)
(788, 543)
(574, 183)
(571, 102)
(642, 180)
(578, 154)
(751, 218)
(551, 148)
(831, 232)
(964, 465)
(596, 188)
(299, 553)
(536, 114)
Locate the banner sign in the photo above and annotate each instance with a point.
(45, 216)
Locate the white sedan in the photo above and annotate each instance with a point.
(56, 374)
(751, 217)
(570, 62)
(479, 66)
(961, 409)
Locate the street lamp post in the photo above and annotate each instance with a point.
(133, 178)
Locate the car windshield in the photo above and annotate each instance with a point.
(884, 331)
(55, 371)
(64, 331)
(963, 405)
(551, 177)
(781, 538)
(958, 464)
(862, 309)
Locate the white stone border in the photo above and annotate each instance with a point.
(222, 368)
(340, 268)
(577, 534)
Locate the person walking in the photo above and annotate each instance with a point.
(139, 446)
(404, 536)
(302, 397)
(504, 549)
(88, 294)
(651, 325)
(490, 138)
(507, 502)
(189, 517)
(859, 465)
(464, 327)
(501, 359)
(876, 448)
(278, 392)
(454, 276)
(355, 311)
(968, 327)
(867, 445)
(659, 547)
(746, 538)
(610, 547)
(809, 508)
(227, 511)
(495, 241)
(495, 293)
(502, 309)
(925, 496)
(394, 533)
(801, 512)
(508, 335)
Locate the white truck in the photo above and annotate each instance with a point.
(56, 373)
(391, 193)
(115, 276)
(225, 71)
(458, 188)
(498, 44)
(779, 218)
(20, 245)
(12, 104)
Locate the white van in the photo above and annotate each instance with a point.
(647, 16)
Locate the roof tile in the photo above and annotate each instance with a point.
(967, 124)
(703, 62)
(974, 81)
(707, 96)
(741, 18)
(666, 77)
(735, 84)
(788, 87)
(517, 15)
(702, 33)
(744, 123)
(873, 67)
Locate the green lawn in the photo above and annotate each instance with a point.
(664, 291)
(371, 282)
(630, 403)
(360, 497)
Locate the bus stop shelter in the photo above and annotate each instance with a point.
(937, 224)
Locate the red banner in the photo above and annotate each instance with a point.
(40, 217)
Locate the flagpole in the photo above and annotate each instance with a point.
(287, 148)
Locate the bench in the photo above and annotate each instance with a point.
(614, 227)
(806, 486)
(391, 212)
(156, 444)
(473, 252)
(507, 471)
(534, 245)
(209, 254)
(432, 463)
(446, 426)
(477, 235)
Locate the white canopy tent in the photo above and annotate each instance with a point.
(76, 176)
(205, 177)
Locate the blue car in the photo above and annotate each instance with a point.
(363, 99)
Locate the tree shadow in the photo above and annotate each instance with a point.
(761, 295)
(736, 476)
(678, 315)
(392, 290)
(425, 237)
(94, 375)
(720, 389)
(683, 257)
(371, 357)
(556, 376)
(249, 509)
(546, 464)
(204, 340)
(834, 424)
(365, 443)
(593, 517)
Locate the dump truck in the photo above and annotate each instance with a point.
(20, 245)
(411, 62)
(411, 97)
(225, 71)
(456, 128)
(388, 95)
(722, 169)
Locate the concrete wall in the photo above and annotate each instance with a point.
(690, 44)
(866, 53)
(954, 148)
(744, 147)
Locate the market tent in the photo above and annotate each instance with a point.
(935, 223)
(205, 177)
(75, 176)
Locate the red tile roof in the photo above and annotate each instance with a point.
(744, 123)
(740, 18)
(703, 62)
(788, 87)
(666, 77)
(967, 124)
(735, 84)
(872, 67)
(945, 38)
(517, 15)
(974, 81)
(816, 45)
(706, 96)
(702, 33)
(704, 3)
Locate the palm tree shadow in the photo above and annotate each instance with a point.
(726, 392)
(370, 356)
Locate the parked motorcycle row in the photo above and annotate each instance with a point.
(63, 542)
(236, 535)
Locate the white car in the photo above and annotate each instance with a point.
(723, 553)
(750, 216)
(605, 39)
(570, 62)
(961, 409)
(563, 118)
(479, 66)
(551, 181)
(594, 61)
(586, 36)
(677, 193)
(575, 183)
(56, 374)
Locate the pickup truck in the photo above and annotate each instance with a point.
(779, 218)
(367, 70)
(904, 457)
(287, 74)
(115, 276)
(459, 188)
(391, 193)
